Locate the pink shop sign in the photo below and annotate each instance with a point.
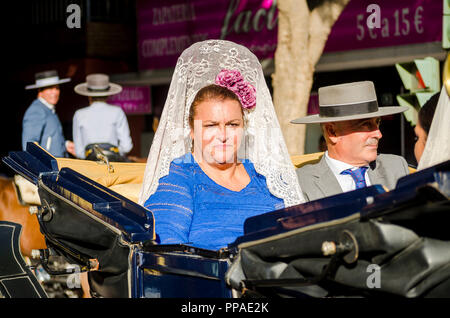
(133, 100)
(400, 22)
(166, 28)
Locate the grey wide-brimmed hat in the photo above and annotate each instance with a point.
(348, 101)
(47, 78)
(97, 85)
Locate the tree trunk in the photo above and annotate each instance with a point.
(302, 35)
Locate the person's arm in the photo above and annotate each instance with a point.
(77, 137)
(123, 133)
(70, 147)
(172, 207)
(33, 126)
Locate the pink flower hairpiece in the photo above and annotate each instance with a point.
(234, 81)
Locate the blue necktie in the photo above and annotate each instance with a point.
(358, 176)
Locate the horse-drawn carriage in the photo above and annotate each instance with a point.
(366, 242)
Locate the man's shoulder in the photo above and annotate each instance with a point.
(113, 111)
(117, 110)
(87, 112)
(36, 107)
(116, 107)
(83, 110)
(309, 168)
(111, 108)
(384, 157)
(392, 165)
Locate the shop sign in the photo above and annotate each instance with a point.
(133, 100)
(166, 29)
(398, 23)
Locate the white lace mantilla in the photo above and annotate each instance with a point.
(437, 148)
(264, 145)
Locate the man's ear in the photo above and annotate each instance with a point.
(330, 129)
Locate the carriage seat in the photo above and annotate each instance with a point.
(311, 158)
(127, 178)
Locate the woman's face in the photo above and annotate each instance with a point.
(218, 131)
(421, 136)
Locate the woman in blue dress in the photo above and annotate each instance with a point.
(218, 156)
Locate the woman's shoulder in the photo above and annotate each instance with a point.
(181, 168)
(186, 161)
(176, 185)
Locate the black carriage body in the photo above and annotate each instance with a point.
(99, 231)
(16, 278)
(390, 244)
(128, 267)
(401, 234)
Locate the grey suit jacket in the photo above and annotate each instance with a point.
(318, 181)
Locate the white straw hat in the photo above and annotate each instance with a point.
(97, 85)
(47, 78)
(349, 101)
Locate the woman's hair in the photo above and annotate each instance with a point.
(426, 113)
(211, 92)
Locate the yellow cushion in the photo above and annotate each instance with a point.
(124, 172)
(130, 191)
(125, 179)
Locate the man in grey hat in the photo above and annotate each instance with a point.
(40, 122)
(100, 124)
(350, 117)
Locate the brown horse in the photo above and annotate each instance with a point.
(11, 210)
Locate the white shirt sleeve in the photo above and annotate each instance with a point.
(123, 134)
(77, 137)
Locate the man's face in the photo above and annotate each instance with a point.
(50, 94)
(356, 141)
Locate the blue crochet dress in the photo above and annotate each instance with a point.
(190, 208)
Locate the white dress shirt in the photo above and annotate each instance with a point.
(345, 181)
(101, 123)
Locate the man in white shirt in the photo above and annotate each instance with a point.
(41, 123)
(350, 118)
(100, 123)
